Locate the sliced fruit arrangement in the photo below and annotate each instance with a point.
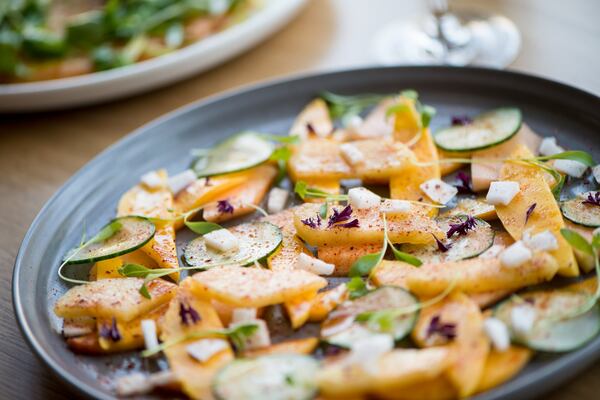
(442, 287)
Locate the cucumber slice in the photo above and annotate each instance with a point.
(382, 298)
(488, 129)
(275, 377)
(461, 247)
(477, 208)
(577, 211)
(133, 234)
(242, 151)
(549, 332)
(257, 240)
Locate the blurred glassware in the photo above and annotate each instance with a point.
(450, 37)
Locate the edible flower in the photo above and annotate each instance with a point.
(446, 330)
(461, 120)
(342, 216)
(592, 199)
(312, 222)
(188, 315)
(464, 186)
(441, 246)
(462, 228)
(530, 211)
(224, 207)
(110, 331)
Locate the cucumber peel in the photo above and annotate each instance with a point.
(488, 129)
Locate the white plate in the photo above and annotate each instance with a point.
(160, 71)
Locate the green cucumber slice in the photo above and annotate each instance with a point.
(276, 377)
(382, 298)
(134, 232)
(475, 207)
(242, 151)
(257, 240)
(577, 211)
(488, 129)
(549, 332)
(462, 247)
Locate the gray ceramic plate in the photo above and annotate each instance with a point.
(91, 195)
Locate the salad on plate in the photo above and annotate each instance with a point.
(359, 256)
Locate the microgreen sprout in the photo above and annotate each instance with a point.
(345, 107)
(237, 335)
(105, 233)
(383, 320)
(592, 249)
(356, 287)
(366, 264)
(150, 274)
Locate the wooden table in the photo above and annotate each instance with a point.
(39, 152)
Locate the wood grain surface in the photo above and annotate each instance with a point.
(39, 152)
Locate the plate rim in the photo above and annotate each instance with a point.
(540, 376)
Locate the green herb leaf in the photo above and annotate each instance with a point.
(303, 191)
(365, 264)
(144, 291)
(577, 241)
(558, 187)
(396, 108)
(323, 210)
(282, 153)
(427, 113)
(134, 270)
(202, 227)
(407, 258)
(573, 155)
(344, 107)
(300, 189)
(410, 94)
(356, 287)
(237, 335)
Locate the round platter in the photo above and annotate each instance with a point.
(91, 195)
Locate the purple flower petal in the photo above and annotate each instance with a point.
(340, 216)
(188, 315)
(461, 120)
(462, 228)
(441, 246)
(312, 222)
(224, 207)
(464, 186)
(593, 200)
(437, 327)
(530, 211)
(110, 331)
